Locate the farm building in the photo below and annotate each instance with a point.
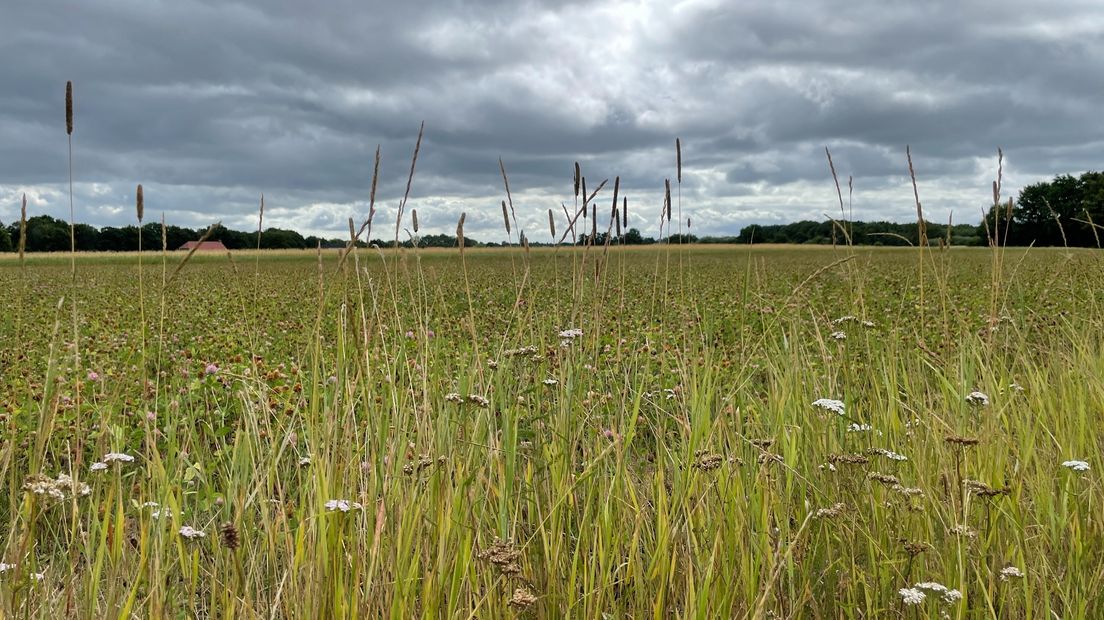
(205, 246)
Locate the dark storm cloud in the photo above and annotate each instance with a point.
(209, 104)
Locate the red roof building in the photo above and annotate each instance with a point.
(206, 246)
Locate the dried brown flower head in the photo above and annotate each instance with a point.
(707, 461)
(885, 479)
(965, 442)
(503, 555)
(230, 536)
(522, 599)
(848, 459)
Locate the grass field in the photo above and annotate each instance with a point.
(642, 433)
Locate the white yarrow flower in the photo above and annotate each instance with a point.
(977, 399)
(889, 454)
(191, 533)
(550, 382)
(1076, 465)
(829, 404)
(948, 595)
(1010, 572)
(6, 567)
(855, 427)
(98, 466)
(838, 336)
(912, 596)
(342, 505)
(111, 457)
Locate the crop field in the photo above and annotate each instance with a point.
(658, 432)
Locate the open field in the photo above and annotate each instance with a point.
(421, 434)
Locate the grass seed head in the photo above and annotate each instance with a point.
(69, 107)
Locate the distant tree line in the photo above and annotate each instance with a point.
(1066, 211)
(860, 233)
(49, 234)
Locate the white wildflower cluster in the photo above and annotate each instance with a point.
(1076, 465)
(568, 336)
(474, 399)
(844, 319)
(977, 399)
(1015, 387)
(111, 457)
(949, 596)
(528, 350)
(191, 533)
(829, 404)
(59, 489)
(305, 461)
(1011, 572)
(550, 382)
(342, 505)
(6, 567)
(889, 454)
(912, 596)
(838, 336)
(855, 427)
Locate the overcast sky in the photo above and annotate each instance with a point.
(208, 104)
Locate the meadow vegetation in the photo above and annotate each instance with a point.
(673, 431)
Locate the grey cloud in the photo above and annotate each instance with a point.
(209, 104)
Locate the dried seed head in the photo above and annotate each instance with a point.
(616, 188)
(460, 230)
(582, 180)
(522, 599)
(69, 107)
(964, 442)
(848, 459)
(885, 479)
(505, 217)
(831, 512)
(678, 158)
(551, 225)
(915, 548)
(578, 176)
(414, 216)
(667, 197)
(23, 228)
(139, 203)
(593, 222)
(230, 536)
(708, 461)
(503, 555)
(625, 212)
